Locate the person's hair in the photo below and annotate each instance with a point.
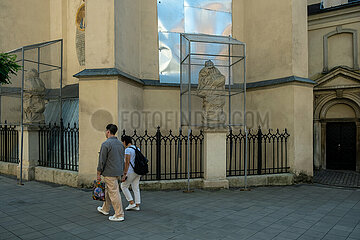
(112, 128)
(126, 139)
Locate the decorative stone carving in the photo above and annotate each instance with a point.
(34, 103)
(211, 89)
(339, 93)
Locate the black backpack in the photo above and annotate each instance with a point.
(141, 163)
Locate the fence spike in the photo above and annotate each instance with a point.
(123, 132)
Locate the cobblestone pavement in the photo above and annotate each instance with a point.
(337, 178)
(45, 211)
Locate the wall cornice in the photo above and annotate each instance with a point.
(106, 72)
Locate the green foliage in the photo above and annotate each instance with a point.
(7, 66)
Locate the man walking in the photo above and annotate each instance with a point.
(110, 166)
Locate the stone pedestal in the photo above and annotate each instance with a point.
(30, 152)
(215, 159)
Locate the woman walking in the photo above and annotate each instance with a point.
(130, 177)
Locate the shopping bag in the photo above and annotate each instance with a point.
(98, 192)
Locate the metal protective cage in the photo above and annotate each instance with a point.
(229, 57)
(47, 59)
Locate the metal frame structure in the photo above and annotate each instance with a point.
(226, 42)
(22, 51)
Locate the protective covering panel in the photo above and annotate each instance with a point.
(188, 16)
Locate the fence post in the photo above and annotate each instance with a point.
(259, 138)
(231, 150)
(6, 142)
(158, 154)
(62, 143)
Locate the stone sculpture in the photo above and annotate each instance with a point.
(211, 89)
(34, 103)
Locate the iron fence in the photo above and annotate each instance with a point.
(267, 152)
(167, 154)
(59, 146)
(9, 143)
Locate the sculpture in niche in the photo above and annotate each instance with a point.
(34, 103)
(211, 88)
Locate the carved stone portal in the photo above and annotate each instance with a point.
(211, 89)
(34, 103)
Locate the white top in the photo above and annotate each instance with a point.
(130, 151)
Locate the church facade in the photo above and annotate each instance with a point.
(302, 69)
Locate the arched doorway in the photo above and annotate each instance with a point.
(336, 135)
(340, 137)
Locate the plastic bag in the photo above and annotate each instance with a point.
(98, 192)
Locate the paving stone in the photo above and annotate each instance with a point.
(283, 212)
(33, 235)
(333, 237)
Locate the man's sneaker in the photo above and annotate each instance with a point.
(116, 219)
(130, 207)
(136, 208)
(100, 210)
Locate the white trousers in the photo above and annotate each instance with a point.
(132, 179)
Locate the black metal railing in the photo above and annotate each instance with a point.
(267, 152)
(168, 154)
(59, 146)
(9, 143)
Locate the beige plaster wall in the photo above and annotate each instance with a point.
(340, 46)
(127, 36)
(131, 100)
(303, 130)
(27, 22)
(23, 22)
(289, 106)
(238, 18)
(299, 39)
(136, 38)
(163, 106)
(10, 109)
(276, 46)
(99, 37)
(149, 45)
(98, 106)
